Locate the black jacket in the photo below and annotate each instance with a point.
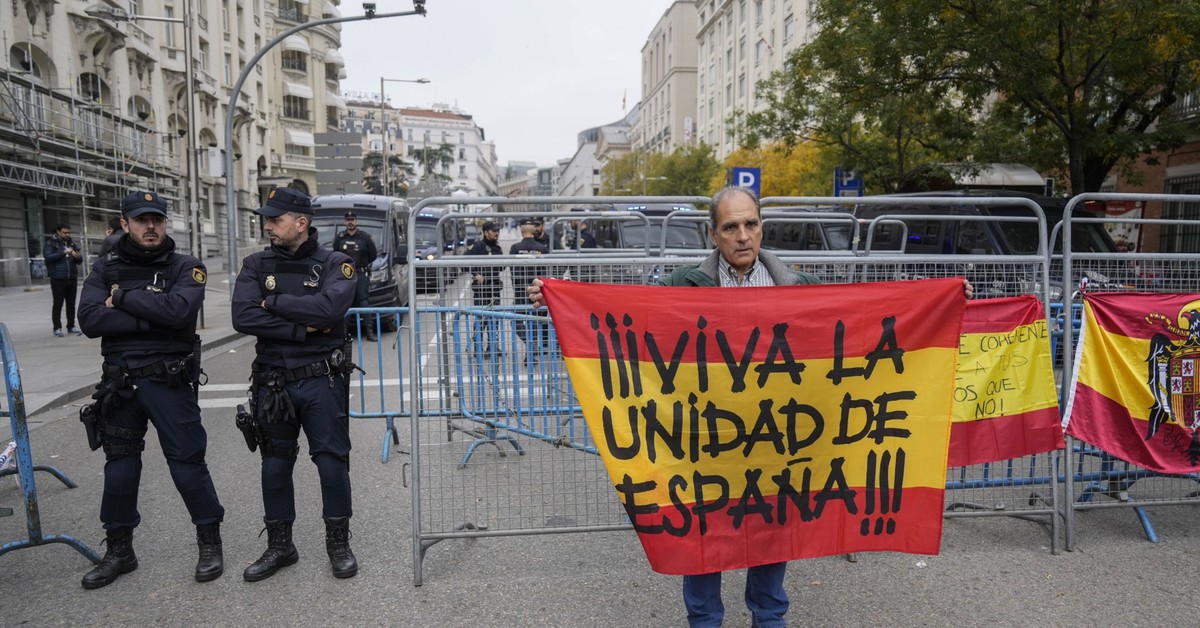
(60, 265)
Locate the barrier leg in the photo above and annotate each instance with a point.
(25, 466)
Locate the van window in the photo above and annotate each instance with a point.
(328, 226)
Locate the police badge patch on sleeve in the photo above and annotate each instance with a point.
(347, 270)
(198, 275)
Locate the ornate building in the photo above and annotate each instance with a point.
(94, 102)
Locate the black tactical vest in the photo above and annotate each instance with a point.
(159, 277)
(300, 277)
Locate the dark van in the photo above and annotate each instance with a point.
(687, 228)
(431, 241)
(382, 217)
(944, 235)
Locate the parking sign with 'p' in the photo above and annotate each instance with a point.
(747, 178)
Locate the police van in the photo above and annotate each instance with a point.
(435, 236)
(382, 217)
(916, 227)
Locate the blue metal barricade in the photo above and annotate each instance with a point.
(25, 466)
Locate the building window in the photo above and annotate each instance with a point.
(462, 171)
(789, 29)
(294, 60)
(229, 69)
(292, 11)
(295, 107)
(295, 150)
(462, 138)
(169, 29)
(462, 154)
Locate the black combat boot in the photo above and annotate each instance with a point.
(337, 543)
(280, 552)
(118, 559)
(371, 335)
(212, 563)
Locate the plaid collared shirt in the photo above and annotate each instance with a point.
(756, 277)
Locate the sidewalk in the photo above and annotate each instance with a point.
(57, 371)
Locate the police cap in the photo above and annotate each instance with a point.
(283, 200)
(137, 203)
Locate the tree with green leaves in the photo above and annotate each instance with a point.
(432, 156)
(685, 172)
(1077, 87)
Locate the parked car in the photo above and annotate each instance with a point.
(381, 217)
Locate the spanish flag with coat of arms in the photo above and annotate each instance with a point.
(746, 426)
(1135, 392)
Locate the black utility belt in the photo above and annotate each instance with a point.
(321, 368)
(166, 368)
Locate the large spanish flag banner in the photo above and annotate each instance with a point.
(745, 426)
(1006, 404)
(1135, 391)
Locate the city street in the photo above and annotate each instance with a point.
(991, 571)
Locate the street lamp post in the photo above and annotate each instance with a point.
(109, 12)
(384, 129)
(230, 192)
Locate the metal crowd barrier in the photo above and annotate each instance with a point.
(475, 397)
(1097, 478)
(25, 466)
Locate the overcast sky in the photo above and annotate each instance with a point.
(533, 73)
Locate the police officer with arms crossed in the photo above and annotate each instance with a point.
(294, 297)
(142, 300)
(359, 246)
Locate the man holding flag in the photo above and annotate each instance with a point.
(737, 262)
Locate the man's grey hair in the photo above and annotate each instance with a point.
(719, 197)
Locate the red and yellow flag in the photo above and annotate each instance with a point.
(1006, 404)
(1135, 392)
(748, 426)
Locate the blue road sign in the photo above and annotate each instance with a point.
(846, 183)
(747, 178)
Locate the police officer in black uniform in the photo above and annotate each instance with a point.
(534, 333)
(486, 285)
(142, 300)
(539, 232)
(294, 297)
(359, 246)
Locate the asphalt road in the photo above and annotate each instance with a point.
(991, 571)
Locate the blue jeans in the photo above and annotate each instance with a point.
(765, 597)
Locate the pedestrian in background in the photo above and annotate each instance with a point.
(293, 297)
(359, 246)
(62, 258)
(143, 301)
(113, 233)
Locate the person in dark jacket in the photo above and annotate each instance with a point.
(293, 297)
(359, 246)
(142, 300)
(62, 258)
(534, 333)
(486, 286)
(738, 261)
(114, 232)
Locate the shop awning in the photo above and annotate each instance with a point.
(333, 100)
(299, 138)
(297, 43)
(334, 57)
(298, 90)
(329, 9)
